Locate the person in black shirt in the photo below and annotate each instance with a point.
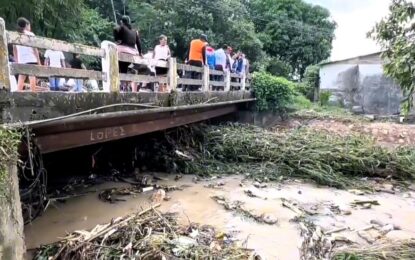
(76, 63)
(128, 41)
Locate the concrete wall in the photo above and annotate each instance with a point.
(361, 85)
(12, 245)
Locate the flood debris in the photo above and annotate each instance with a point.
(145, 235)
(238, 208)
(327, 159)
(381, 250)
(314, 245)
(115, 194)
(364, 204)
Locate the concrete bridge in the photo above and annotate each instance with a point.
(57, 121)
(61, 120)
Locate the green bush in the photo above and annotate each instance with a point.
(272, 93)
(324, 98)
(301, 102)
(310, 82)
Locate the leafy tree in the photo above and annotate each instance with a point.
(395, 34)
(66, 20)
(293, 31)
(310, 82)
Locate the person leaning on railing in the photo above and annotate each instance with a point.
(197, 57)
(129, 42)
(25, 55)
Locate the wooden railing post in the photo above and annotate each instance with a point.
(4, 58)
(172, 74)
(228, 81)
(110, 71)
(243, 82)
(205, 86)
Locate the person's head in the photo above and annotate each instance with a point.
(23, 25)
(163, 40)
(204, 37)
(125, 20)
(76, 56)
(228, 50)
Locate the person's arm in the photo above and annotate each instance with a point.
(138, 43)
(154, 52)
(83, 66)
(36, 52)
(168, 53)
(116, 33)
(186, 56)
(204, 55)
(15, 54)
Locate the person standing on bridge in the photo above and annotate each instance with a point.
(54, 59)
(128, 41)
(162, 52)
(25, 55)
(197, 56)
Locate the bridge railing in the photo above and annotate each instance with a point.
(178, 75)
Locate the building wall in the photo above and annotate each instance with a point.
(362, 85)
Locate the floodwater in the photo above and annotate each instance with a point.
(194, 203)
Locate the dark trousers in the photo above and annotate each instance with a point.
(193, 75)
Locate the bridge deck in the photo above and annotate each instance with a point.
(61, 121)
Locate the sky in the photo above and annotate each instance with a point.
(354, 19)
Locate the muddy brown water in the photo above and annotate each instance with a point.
(194, 203)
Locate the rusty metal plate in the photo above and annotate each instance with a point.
(67, 140)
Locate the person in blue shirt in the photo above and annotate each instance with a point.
(210, 57)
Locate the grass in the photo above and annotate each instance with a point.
(9, 141)
(327, 112)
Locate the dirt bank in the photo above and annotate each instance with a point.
(386, 134)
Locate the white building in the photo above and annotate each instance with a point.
(359, 82)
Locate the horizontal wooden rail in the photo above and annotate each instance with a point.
(46, 43)
(189, 68)
(142, 78)
(190, 81)
(217, 83)
(234, 75)
(236, 84)
(42, 71)
(216, 72)
(138, 60)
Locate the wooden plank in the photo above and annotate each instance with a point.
(42, 71)
(47, 43)
(189, 68)
(190, 81)
(216, 72)
(217, 83)
(143, 78)
(234, 75)
(110, 69)
(4, 58)
(138, 60)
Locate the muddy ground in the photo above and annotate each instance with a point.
(265, 218)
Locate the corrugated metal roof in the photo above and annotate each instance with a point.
(357, 59)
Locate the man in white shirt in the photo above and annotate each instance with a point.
(54, 59)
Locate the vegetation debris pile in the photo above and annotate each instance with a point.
(145, 235)
(327, 159)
